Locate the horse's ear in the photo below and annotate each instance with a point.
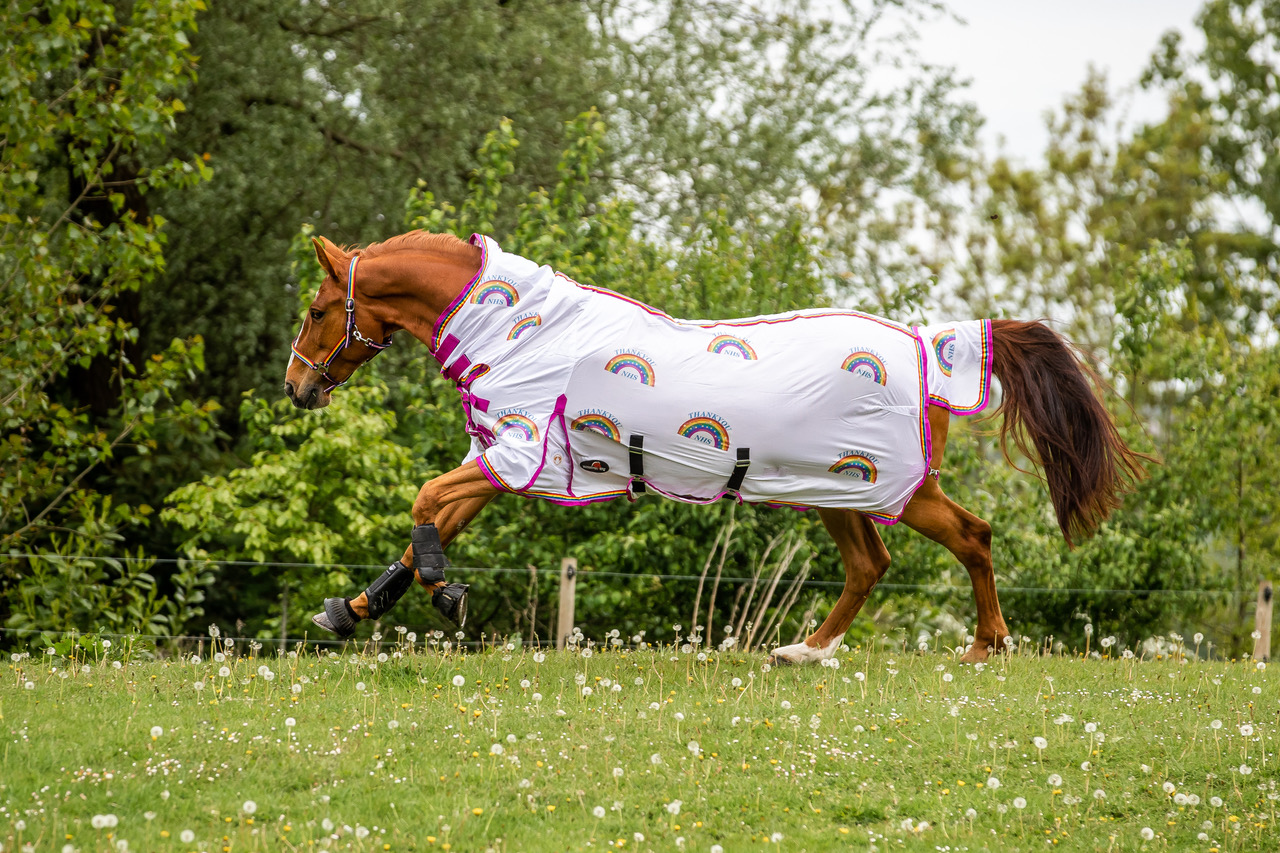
(325, 252)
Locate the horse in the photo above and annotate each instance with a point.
(485, 316)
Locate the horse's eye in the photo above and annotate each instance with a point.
(317, 316)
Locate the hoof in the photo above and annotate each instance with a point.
(336, 618)
(451, 601)
(322, 619)
(978, 654)
(778, 660)
(799, 653)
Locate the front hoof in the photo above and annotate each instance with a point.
(451, 601)
(337, 618)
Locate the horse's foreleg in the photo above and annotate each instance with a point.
(865, 561)
(968, 537)
(452, 500)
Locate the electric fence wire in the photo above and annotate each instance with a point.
(583, 575)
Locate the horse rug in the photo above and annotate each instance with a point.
(577, 394)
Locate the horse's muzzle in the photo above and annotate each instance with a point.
(310, 398)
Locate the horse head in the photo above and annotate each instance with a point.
(331, 344)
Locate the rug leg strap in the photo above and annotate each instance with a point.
(428, 554)
(390, 586)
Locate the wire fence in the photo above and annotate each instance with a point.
(588, 574)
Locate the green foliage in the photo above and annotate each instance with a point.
(88, 92)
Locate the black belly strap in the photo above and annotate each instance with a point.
(635, 451)
(739, 472)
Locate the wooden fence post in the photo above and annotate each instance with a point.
(568, 585)
(1262, 623)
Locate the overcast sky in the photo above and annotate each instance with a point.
(1023, 56)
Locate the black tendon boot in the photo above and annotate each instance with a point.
(382, 594)
(429, 562)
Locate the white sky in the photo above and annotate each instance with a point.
(1024, 56)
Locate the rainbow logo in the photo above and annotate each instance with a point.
(731, 346)
(867, 365)
(857, 466)
(523, 326)
(496, 292)
(707, 431)
(516, 425)
(597, 423)
(944, 346)
(631, 366)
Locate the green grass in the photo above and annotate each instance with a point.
(349, 752)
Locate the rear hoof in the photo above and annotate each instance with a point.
(779, 660)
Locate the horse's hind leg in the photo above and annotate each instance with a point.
(968, 537)
(865, 561)
(448, 502)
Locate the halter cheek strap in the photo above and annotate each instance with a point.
(352, 334)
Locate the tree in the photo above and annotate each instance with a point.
(89, 91)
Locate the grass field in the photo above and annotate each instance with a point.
(510, 749)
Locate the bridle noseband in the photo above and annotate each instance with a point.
(352, 334)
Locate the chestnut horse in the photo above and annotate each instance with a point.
(1050, 410)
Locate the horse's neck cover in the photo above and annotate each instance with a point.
(832, 404)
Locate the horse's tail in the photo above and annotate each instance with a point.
(1053, 412)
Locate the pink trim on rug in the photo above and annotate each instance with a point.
(447, 314)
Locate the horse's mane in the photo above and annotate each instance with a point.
(443, 244)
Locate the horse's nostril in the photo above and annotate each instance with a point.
(289, 390)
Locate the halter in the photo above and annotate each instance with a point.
(322, 367)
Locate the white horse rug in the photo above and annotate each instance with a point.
(577, 394)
